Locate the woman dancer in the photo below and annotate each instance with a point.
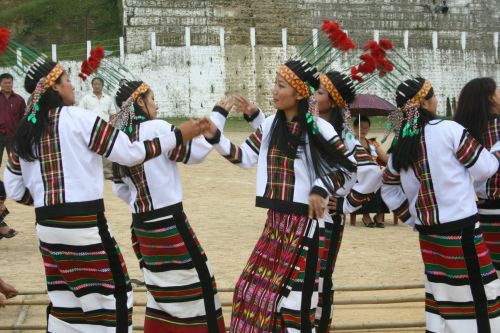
(478, 110)
(301, 160)
(428, 183)
(182, 295)
(55, 164)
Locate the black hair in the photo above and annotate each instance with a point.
(6, 76)
(125, 91)
(98, 79)
(26, 140)
(345, 87)
(475, 106)
(323, 154)
(364, 119)
(406, 151)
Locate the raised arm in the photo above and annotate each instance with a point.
(195, 151)
(105, 140)
(245, 156)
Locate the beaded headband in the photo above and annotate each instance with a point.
(420, 96)
(332, 91)
(124, 119)
(52, 77)
(139, 91)
(41, 87)
(302, 88)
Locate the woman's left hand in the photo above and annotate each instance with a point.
(316, 206)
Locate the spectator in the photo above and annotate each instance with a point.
(444, 8)
(12, 107)
(104, 106)
(376, 205)
(6, 291)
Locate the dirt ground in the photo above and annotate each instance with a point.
(219, 200)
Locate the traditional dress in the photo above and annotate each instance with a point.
(489, 191)
(182, 294)
(87, 280)
(369, 180)
(278, 289)
(436, 196)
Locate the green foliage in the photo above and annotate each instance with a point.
(40, 23)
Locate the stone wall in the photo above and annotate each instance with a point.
(168, 18)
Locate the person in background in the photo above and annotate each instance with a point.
(103, 106)
(12, 108)
(379, 156)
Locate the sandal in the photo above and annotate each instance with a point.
(11, 233)
(369, 223)
(379, 225)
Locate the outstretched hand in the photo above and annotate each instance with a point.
(245, 106)
(208, 128)
(227, 103)
(189, 129)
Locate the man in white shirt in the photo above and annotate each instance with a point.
(103, 106)
(98, 102)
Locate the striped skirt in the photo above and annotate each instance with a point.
(277, 291)
(489, 220)
(182, 295)
(462, 288)
(87, 281)
(333, 231)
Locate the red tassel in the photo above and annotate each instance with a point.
(82, 76)
(4, 39)
(86, 69)
(370, 45)
(386, 44)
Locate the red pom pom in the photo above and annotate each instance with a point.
(97, 53)
(386, 44)
(94, 63)
(357, 78)
(370, 45)
(86, 68)
(378, 53)
(82, 76)
(4, 39)
(354, 70)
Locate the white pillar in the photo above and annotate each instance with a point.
(89, 47)
(284, 40)
(252, 37)
(376, 35)
(463, 40)
(187, 36)
(495, 43)
(435, 44)
(19, 58)
(122, 50)
(406, 39)
(54, 52)
(221, 37)
(153, 42)
(315, 37)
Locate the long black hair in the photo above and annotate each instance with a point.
(406, 151)
(345, 87)
(26, 140)
(323, 155)
(475, 106)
